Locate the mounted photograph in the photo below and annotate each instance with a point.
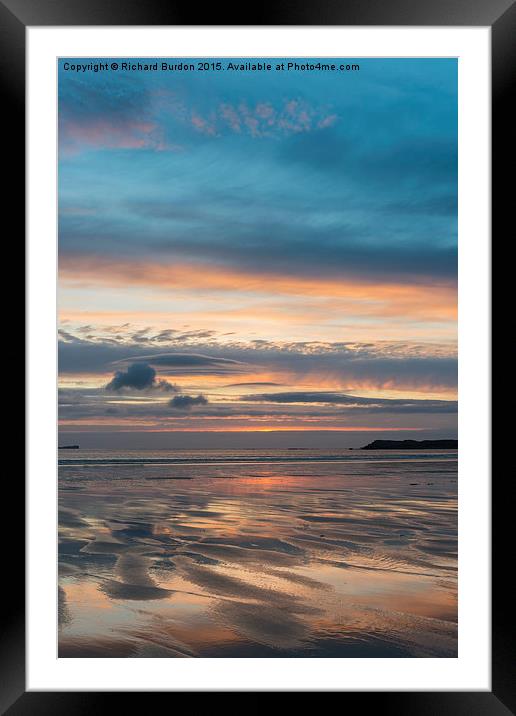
(257, 357)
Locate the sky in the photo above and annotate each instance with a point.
(258, 252)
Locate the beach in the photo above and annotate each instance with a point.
(289, 553)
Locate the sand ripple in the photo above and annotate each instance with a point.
(326, 560)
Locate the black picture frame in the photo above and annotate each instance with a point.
(500, 16)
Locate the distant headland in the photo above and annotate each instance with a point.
(412, 445)
(68, 447)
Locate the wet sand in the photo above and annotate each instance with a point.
(346, 558)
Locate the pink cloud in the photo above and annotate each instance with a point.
(230, 115)
(328, 121)
(202, 125)
(265, 120)
(291, 107)
(264, 110)
(75, 137)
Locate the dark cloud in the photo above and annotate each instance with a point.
(343, 362)
(138, 376)
(78, 355)
(419, 163)
(357, 402)
(185, 402)
(191, 363)
(64, 336)
(378, 244)
(86, 403)
(190, 360)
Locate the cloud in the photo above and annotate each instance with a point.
(375, 241)
(102, 134)
(349, 366)
(99, 355)
(190, 363)
(95, 116)
(138, 376)
(202, 125)
(267, 119)
(185, 359)
(185, 402)
(95, 413)
(356, 402)
(252, 384)
(259, 119)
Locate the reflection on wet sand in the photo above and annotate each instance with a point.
(331, 560)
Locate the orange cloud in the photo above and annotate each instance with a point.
(429, 303)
